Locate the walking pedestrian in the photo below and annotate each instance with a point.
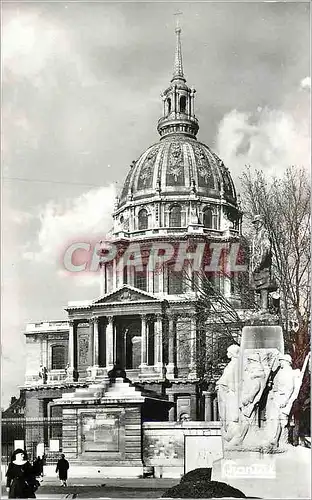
(62, 468)
(21, 479)
(38, 467)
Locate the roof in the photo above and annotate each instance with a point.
(172, 165)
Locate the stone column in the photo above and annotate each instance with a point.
(144, 344)
(45, 361)
(171, 414)
(114, 274)
(102, 279)
(150, 274)
(208, 405)
(158, 346)
(161, 274)
(109, 343)
(171, 354)
(215, 409)
(71, 350)
(192, 102)
(95, 341)
(192, 364)
(175, 99)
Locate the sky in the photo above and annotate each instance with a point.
(81, 85)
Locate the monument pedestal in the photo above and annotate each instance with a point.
(277, 475)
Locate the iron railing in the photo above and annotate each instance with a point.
(32, 431)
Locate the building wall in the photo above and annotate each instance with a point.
(163, 443)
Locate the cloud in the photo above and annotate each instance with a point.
(32, 44)
(80, 219)
(267, 139)
(306, 83)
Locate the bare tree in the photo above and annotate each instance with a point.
(218, 323)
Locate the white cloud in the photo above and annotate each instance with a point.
(266, 139)
(32, 43)
(85, 218)
(306, 83)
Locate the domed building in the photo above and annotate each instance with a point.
(178, 203)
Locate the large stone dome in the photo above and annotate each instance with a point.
(176, 165)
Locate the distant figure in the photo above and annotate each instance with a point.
(184, 417)
(43, 373)
(62, 468)
(75, 375)
(117, 372)
(21, 480)
(38, 467)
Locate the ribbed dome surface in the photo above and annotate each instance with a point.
(173, 166)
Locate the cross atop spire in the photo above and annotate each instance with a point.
(178, 65)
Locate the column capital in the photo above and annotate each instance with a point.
(172, 316)
(71, 322)
(110, 319)
(94, 319)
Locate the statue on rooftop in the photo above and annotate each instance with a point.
(261, 262)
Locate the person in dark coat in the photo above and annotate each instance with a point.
(62, 468)
(21, 480)
(38, 467)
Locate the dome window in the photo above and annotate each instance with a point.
(143, 219)
(183, 104)
(168, 105)
(175, 216)
(207, 217)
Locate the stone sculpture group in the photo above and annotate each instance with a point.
(255, 396)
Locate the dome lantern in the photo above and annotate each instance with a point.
(178, 101)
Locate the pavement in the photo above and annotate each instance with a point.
(104, 488)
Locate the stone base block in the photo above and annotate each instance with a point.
(83, 471)
(170, 371)
(280, 475)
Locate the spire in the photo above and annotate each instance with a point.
(178, 100)
(178, 65)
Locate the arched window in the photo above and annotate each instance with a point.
(143, 219)
(168, 105)
(183, 104)
(207, 217)
(58, 357)
(175, 216)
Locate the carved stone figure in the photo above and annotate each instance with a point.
(285, 389)
(227, 387)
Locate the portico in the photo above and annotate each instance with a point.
(124, 327)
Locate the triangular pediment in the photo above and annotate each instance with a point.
(126, 294)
